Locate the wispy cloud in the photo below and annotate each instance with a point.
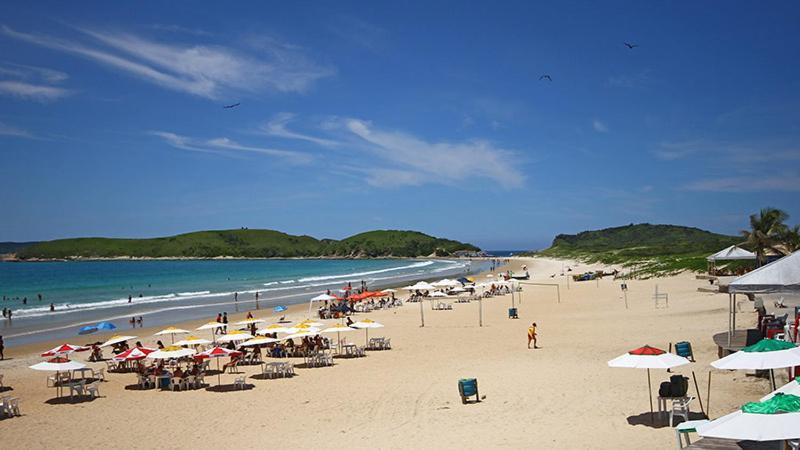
(204, 70)
(737, 153)
(767, 182)
(443, 162)
(277, 127)
(10, 130)
(599, 126)
(31, 82)
(227, 147)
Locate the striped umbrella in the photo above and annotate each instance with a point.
(64, 349)
(133, 354)
(218, 352)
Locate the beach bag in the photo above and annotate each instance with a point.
(665, 390)
(679, 385)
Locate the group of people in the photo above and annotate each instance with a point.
(136, 321)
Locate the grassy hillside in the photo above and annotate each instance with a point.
(654, 249)
(245, 243)
(11, 247)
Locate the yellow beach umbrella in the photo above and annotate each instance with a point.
(193, 340)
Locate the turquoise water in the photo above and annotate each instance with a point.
(163, 291)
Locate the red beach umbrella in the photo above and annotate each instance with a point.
(64, 349)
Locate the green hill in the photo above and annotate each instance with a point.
(656, 249)
(246, 243)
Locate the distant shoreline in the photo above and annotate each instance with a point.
(8, 258)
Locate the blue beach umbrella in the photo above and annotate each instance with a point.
(88, 329)
(106, 326)
(280, 308)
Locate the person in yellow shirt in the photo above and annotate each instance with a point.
(532, 335)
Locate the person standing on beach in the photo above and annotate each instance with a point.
(532, 335)
(225, 322)
(2, 347)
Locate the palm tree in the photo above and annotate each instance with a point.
(766, 230)
(790, 239)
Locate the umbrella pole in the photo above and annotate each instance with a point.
(708, 396)
(650, 394)
(218, 374)
(772, 378)
(697, 389)
(421, 313)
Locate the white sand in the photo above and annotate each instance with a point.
(560, 396)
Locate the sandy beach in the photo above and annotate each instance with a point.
(560, 396)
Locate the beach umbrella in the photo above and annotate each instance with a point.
(276, 328)
(389, 291)
(302, 333)
(133, 354)
(648, 358)
(338, 328)
(58, 364)
(171, 352)
(106, 326)
(64, 349)
(210, 326)
(193, 340)
(437, 294)
(775, 419)
(116, 340)
(792, 387)
(250, 321)
(218, 352)
(323, 297)
(235, 336)
(259, 340)
(366, 324)
(172, 331)
(309, 323)
(420, 286)
(280, 308)
(88, 329)
(447, 283)
(765, 354)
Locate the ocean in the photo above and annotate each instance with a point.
(168, 291)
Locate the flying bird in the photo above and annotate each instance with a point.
(545, 77)
(231, 106)
(631, 46)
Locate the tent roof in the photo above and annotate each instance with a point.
(782, 275)
(731, 253)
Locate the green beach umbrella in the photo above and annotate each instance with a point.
(765, 354)
(772, 420)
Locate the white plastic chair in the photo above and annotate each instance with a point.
(680, 408)
(99, 374)
(93, 389)
(239, 382)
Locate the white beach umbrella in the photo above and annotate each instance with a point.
(446, 283)
(171, 331)
(250, 321)
(171, 352)
(792, 387)
(235, 336)
(302, 333)
(210, 326)
(309, 323)
(458, 289)
(437, 294)
(421, 286)
(58, 364)
(259, 340)
(323, 297)
(116, 340)
(775, 419)
(338, 328)
(193, 340)
(765, 354)
(389, 291)
(648, 358)
(276, 328)
(366, 324)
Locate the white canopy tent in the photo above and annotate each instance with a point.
(731, 253)
(782, 275)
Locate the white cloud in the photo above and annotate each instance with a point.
(599, 126)
(30, 91)
(277, 127)
(209, 71)
(765, 182)
(10, 130)
(443, 162)
(227, 147)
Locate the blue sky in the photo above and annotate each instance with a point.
(428, 116)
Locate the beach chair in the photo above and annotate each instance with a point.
(93, 389)
(99, 374)
(78, 389)
(467, 387)
(144, 382)
(111, 365)
(684, 428)
(239, 382)
(231, 366)
(684, 348)
(187, 382)
(387, 343)
(174, 384)
(9, 406)
(680, 408)
(199, 380)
